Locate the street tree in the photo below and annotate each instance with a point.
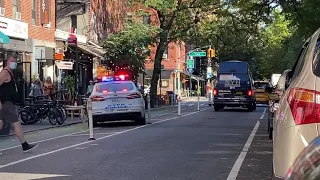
(127, 49)
(175, 18)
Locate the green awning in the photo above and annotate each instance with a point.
(4, 39)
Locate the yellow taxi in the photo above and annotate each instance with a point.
(260, 91)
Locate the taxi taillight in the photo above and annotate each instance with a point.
(97, 98)
(134, 96)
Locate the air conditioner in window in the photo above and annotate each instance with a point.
(17, 15)
(47, 25)
(165, 56)
(2, 11)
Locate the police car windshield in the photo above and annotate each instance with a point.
(113, 87)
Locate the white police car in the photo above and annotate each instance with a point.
(115, 99)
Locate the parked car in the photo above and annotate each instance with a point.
(307, 165)
(296, 122)
(274, 103)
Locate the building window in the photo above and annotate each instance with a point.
(16, 8)
(146, 19)
(35, 12)
(1, 3)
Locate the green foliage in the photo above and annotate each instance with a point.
(129, 47)
(69, 84)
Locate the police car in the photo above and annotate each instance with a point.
(116, 98)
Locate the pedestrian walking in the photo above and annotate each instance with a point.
(9, 96)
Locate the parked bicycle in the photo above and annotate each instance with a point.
(40, 108)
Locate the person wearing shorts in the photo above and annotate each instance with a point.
(8, 96)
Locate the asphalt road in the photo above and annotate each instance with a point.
(203, 145)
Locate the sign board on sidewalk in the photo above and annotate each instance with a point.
(64, 65)
(190, 63)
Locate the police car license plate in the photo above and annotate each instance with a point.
(116, 106)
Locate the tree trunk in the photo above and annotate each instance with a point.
(157, 69)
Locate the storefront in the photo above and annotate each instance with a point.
(19, 44)
(87, 60)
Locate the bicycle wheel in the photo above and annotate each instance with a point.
(63, 113)
(27, 116)
(52, 115)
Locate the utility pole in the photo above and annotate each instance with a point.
(210, 54)
(179, 88)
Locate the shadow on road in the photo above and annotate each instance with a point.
(116, 124)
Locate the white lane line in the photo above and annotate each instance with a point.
(72, 134)
(264, 113)
(49, 139)
(237, 165)
(88, 142)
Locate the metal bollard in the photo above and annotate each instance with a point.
(149, 108)
(89, 109)
(172, 100)
(209, 97)
(179, 106)
(198, 103)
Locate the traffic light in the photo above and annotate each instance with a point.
(211, 53)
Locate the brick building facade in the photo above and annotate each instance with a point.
(32, 41)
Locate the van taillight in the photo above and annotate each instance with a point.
(250, 92)
(304, 105)
(215, 91)
(134, 96)
(97, 98)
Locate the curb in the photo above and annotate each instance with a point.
(45, 128)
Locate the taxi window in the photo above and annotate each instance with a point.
(261, 85)
(113, 87)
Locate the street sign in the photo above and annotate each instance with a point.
(198, 54)
(190, 63)
(190, 70)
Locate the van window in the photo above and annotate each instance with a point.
(223, 77)
(233, 67)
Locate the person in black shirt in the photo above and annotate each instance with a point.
(8, 96)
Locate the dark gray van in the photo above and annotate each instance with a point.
(234, 86)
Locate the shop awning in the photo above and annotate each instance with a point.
(4, 39)
(98, 52)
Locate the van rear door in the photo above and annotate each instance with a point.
(233, 85)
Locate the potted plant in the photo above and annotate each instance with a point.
(69, 86)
